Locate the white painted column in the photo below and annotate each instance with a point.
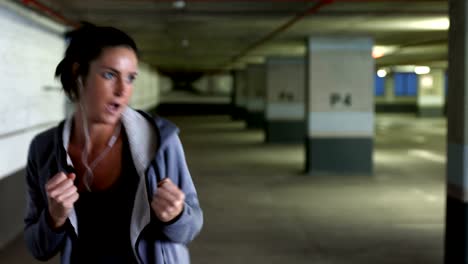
(239, 95)
(222, 84)
(256, 87)
(431, 93)
(340, 105)
(387, 102)
(285, 105)
(31, 101)
(389, 88)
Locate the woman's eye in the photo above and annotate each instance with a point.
(131, 78)
(108, 75)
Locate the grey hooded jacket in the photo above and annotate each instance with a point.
(157, 153)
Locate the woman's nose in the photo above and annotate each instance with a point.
(120, 88)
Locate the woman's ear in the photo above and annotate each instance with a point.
(75, 68)
(76, 74)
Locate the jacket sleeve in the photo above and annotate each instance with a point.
(42, 241)
(189, 223)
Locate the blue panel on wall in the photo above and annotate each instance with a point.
(400, 84)
(406, 84)
(412, 88)
(379, 86)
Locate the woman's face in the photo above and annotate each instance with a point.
(109, 85)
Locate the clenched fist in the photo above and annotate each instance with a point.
(168, 202)
(61, 194)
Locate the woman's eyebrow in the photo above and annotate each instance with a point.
(110, 68)
(116, 71)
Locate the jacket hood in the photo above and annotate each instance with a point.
(164, 128)
(158, 130)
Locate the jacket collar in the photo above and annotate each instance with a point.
(142, 137)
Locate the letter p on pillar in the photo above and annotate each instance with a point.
(335, 98)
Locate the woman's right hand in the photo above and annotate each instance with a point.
(61, 194)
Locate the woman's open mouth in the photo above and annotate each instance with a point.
(113, 108)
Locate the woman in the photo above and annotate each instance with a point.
(109, 184)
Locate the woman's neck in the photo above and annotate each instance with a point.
(99, 133)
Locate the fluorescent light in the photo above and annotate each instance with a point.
(427, 81)
(380, 51)
(179, 4)
(440, 23)
(377, 54)
(381, 73)
(422, 69)
(427, 155)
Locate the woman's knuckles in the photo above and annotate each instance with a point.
(163, 215)
(172, 204)
(60, 199)
(54, 193)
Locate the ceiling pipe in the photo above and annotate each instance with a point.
(51, 13)
(388, 1)
(54, 14)
(279, 30)
(293, 1)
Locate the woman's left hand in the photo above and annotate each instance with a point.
(168, 202)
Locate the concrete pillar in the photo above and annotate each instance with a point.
(431, 93)
(340, 105)
(222, 84)
(165, 84)
(389, 88)
(256, 91)
(239, 99)
(456, 233)
(285, 110)
(211, 85)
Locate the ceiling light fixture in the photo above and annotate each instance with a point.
(381, 73)
(427, 81)
(380, 51)
(422, 70)
(440, 23)
(377, 54)
(179, 4)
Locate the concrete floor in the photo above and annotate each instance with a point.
(260, 208)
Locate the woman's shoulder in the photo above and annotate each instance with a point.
(164, 126)
(46, 139)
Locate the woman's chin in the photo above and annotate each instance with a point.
(106, 119)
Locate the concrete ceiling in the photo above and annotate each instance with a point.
(207, 34)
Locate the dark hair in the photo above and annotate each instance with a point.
(85, 45)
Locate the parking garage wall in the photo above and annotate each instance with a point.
(215, 84)
(31, 101)
(146, 91)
